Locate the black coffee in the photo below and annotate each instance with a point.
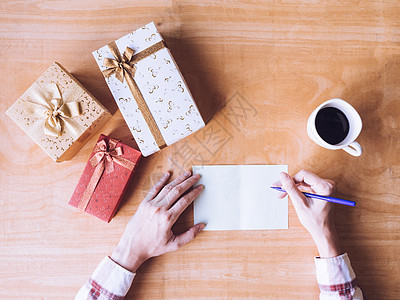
(332, 125)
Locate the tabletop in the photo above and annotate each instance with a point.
(256, 69)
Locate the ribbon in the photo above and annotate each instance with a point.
(57, 113)
(123, 67)
(106, 154)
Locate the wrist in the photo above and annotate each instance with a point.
(327, 242)
(126, 259)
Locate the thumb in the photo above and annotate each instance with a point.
(187, 236)
(297, 197)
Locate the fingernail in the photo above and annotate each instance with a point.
(187, 173)
(201, 187)
(196, 176)
(284, 177)
(166, 175)
(202, 226)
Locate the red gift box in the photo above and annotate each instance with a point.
(105, 178)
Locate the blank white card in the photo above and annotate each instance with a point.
(240, 198)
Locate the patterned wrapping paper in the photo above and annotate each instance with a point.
(111, 186)
(58, 113)
(162, 86)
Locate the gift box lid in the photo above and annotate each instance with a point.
(58, 113)
(161, 85)
(99, 192)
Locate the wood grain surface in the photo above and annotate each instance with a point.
(256, 69)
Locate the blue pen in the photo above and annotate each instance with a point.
(325, 198)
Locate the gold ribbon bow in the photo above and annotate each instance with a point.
(124, 68)
(106, 154)
(54, 110)
(120, 65)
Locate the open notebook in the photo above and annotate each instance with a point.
(239, 197)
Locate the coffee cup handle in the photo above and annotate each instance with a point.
(353, 148)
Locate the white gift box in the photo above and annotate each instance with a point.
(167, 99)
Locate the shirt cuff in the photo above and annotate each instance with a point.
(335, 273)
(110, 279)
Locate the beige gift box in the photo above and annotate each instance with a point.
(58, 113)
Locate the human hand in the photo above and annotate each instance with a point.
(148, 232)
(315, 215)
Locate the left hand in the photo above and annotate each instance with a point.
(148, 232)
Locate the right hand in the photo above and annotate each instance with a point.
(315, 215)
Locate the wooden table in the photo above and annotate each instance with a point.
(257, 70)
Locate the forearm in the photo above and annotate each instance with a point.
(336, 278)
(327, 242)
(108, 281)
(127, 259)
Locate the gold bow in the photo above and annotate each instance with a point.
(106, 154)
(51, 107)
(123, 68)
(119, 65)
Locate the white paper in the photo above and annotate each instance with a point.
(240, 198)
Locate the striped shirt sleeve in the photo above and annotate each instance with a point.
(336, 278)
(109, 281)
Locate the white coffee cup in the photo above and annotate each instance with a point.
(355, 124)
